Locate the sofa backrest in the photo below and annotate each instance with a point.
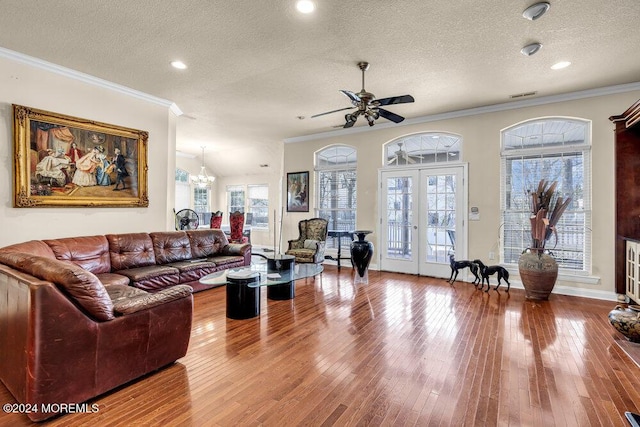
(206, 242)
(170, 246)
(130, 250)
(90, 252)
(33, 247)
(82, 286)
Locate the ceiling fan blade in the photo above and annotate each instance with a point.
(334, 111)
(355, 99)
(404, 99)
(390, 116)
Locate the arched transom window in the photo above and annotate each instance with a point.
(423, 148)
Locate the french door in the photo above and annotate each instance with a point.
(422, 219)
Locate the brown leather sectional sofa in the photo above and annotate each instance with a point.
(80, 316)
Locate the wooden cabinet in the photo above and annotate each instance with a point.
(632, 270)
(627, 170)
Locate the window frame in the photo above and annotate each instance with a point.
(239, 189)
(581, 206)
(251, 209)
(343, 161)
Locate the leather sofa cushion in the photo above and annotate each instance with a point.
(33, 247)
(171, 246)
(206, 243)
(193, 271)
(130, 250)
(152, 277)
(128, 300)
(82, 286)
(109, 279)
(228, 261)
(90, 252)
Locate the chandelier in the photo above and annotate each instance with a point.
(202, 180)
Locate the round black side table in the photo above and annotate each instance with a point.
(243, 300)
(282, 265)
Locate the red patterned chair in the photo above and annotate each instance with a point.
(236, 225)
(216, 220)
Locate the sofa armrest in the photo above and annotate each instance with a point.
(236, 249)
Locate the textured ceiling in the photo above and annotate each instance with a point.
(254, 66)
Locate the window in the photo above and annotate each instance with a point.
(183, 190)
(336, 189)
(423, 148)
(259, 206)
(235, 198)
(554, 149)
(201, 205)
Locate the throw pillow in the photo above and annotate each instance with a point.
(310, 244)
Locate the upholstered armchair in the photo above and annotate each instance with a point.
(310, 245)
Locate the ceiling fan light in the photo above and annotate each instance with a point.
(536, 10)
(179, 65)
(560, 65)
(531, 49)
(305, 6)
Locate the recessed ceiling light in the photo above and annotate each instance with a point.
(536, 10)
(179, 65)
(530, 49)
(560, 65)
(305, 6)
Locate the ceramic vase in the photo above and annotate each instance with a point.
(361, 253)
(626, 321)
(538, 272)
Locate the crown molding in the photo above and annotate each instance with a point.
(513, 105)
(86, 78)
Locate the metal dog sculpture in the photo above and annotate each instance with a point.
(456, 266)
(486, 271)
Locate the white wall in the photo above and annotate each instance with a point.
(33, 84)
(481, 150)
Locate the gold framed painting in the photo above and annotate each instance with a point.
(64, 161)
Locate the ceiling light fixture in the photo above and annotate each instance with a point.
(179, 65)
(536, 10)
(203, 180)
(305, 6)
(531, 49)
(560, 65)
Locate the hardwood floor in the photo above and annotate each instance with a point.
(401, 350)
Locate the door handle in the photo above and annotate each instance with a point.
(415, 227)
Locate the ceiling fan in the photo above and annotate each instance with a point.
(402, 157)
(368, 106)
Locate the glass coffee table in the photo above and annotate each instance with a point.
(277, 273)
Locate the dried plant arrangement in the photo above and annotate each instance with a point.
(546, 209)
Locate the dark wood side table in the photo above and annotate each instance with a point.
(339, 234)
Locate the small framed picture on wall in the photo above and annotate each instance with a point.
(298, 192)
